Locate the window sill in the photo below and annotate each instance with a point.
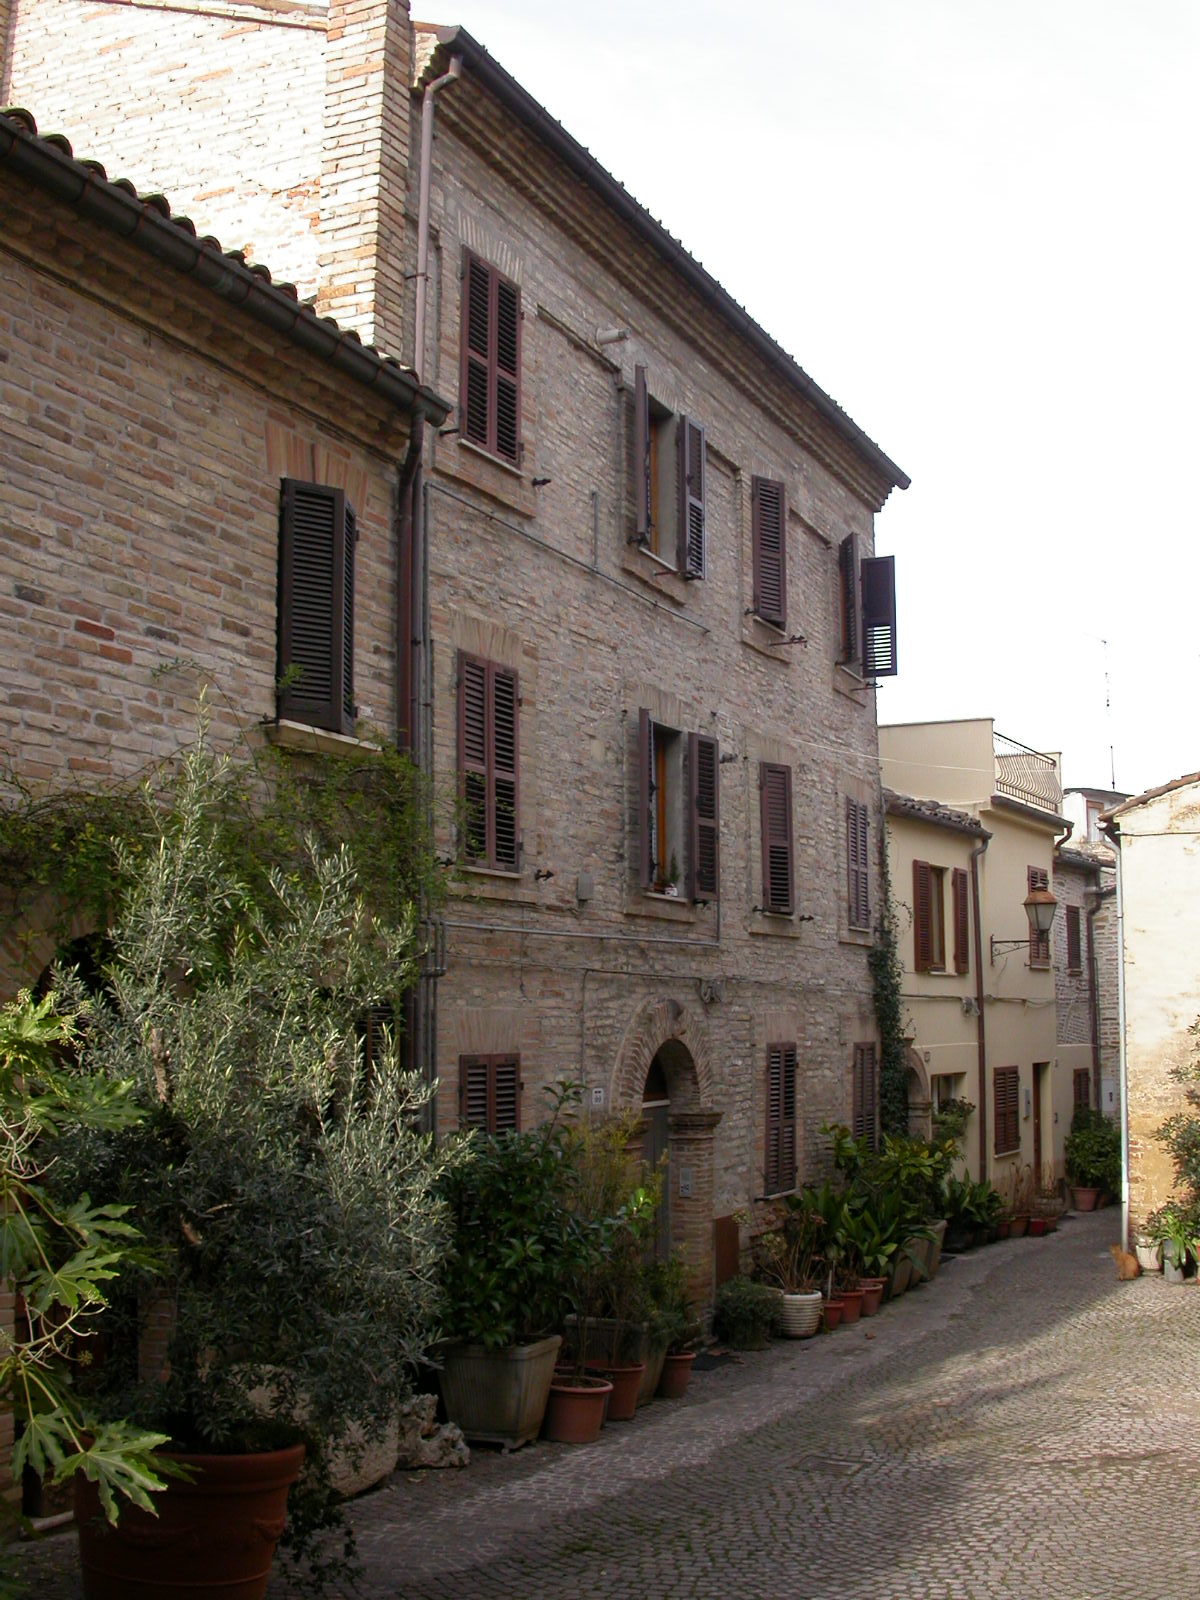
(858, 936)
(473, 870)
(767, 639)
(486, 883)
(774, 924)
(663, 907)
(302, 736)
(850, 683)
(502, 462)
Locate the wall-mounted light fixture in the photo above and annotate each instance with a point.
(1040, 906)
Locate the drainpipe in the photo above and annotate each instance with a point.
(1098, 899)
(981, 1040)
(431, 89)
(1113, 831)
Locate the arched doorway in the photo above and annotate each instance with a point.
(656, 1146)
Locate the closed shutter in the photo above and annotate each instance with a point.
(317, 535)
(473, 756)
(376, 1030)
(1083, 1087)
(775, 791)
(848, 594)
(641, 453)
(488, 762)
(647, 865)
(506, 843)
(489, 1093)
(490, 405)
(962, 946)
(1039, 943)
(692, 455)
(878, 579)
(857, 873)
(780, 1164)
(768, 524)
(704, 767)
(922, 916)
(1074, 942)
(1006, 1094)
(864, 1096)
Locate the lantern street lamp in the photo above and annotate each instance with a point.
(1040, 906)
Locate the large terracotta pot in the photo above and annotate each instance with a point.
(676, 1373)
(626, 1379)
(498, 1396)
(213, 1536)
(872, 1289)
(1020, 1225)
(832, 1312)
(1085, 1197)
(1037, 1227)
(575, 1409)
(852, 1300)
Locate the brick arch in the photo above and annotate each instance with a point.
(681, 1034)
(32, 941)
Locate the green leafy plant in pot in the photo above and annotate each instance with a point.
(1093, 1153)
(280, 1176)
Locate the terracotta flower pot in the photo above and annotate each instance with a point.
(215, 1535)
(676, 1373)
(852, 1300)
(872, 1293)
(1003, 1229)
(1020, 1226)
(1086, 1197)
(831, 1312)
(1037, 1227)
(575, 1409)
(626, 1380)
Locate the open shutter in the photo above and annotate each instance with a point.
(768, 523)
(923, 915)
(1039, 943)
(692, 455)
(473, 755)
(1074, 942)
(962, 944)
(863, 1094)
(473, 1091)
(641, 453)
(847, 565)
(775, 792)
(507, 441)
(506, 1094)
(317, 531)
(476, 351)
(857, 869)
(704, 767)
(878, 576)
(505, 842)
(646, 862)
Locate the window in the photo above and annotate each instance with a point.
(1074, 943)
(866, 611)
(317, 534)
(1083, 1087)
(487, 763)
(665, 820)
(490, 396)
(768, 530)
(779, 1174)
(1006, 1090)
(865, 1097)
(962, 937)
(666, 500)
(1095, 810)
(489, 1092)
(929, 917)
(1039, 943)
(858, 877)
(775, 805)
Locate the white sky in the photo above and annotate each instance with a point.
(974, 224)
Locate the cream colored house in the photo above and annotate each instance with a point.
(1157, 836)
(972, 823)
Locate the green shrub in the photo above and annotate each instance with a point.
(746, 1313)
(1093, 1151)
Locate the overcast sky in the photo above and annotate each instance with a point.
(974, 224)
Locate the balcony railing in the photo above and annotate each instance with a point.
(1027, 775)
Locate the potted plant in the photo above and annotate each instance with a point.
(1173, 1228)
(745, 1313)
(789, 1257)
(279, 1176)
(675, 1325)
(1093, 1155)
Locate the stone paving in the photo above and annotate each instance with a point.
(1026, 1425)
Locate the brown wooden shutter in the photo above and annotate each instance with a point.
(473, 1078)
(692, 455)
(506, 1094)
(1039, 943)
(775, 793)
(857, 865)
(490, 405)
(962, 944)
(1082, 1087)
(780, 1163)
(641, 453)
(1006, 1093)
(878, 579)
(922, 916)
(473, 755)
(508, 371)
(768, 526)
(864, 1094)
(489, 1093)
(1074, 943)
(646, 851)
(317, 534)
(505, 842)
(704, 768)
(847, 581)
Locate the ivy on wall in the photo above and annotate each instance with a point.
(887, 981)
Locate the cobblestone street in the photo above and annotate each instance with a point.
(1025, 1425)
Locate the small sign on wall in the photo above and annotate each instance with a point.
(687, 1182)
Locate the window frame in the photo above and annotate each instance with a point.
(1006, 1110)
(651, 430)
(302, 616)
(493, 1067)
(494, 373)
(684, 818)
(929, 917)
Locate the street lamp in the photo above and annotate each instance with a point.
(1040, 906)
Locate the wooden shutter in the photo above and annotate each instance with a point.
(878, 578)
(473, 755)
(646, 841)
(505, 820)
(1039, 943)
(489, 1092)
(1006, 1101)
(775, 793)
(768, 526)
(704, 768)
(848, 591)
(1082, 1087)
(317, 534)
(962, 941)
(922, 916)
(692, 456)
(1074, 943)
(641, 454)
(864, 1094)
(488, 762)
(857, 866)
(490, 406)
(780, 1164)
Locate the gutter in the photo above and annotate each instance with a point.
(1100, 895)
(149, 226)
(1113, 829)
(980, 1032)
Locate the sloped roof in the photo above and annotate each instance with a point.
(148, 223)
(1151, 794)
(933, 811)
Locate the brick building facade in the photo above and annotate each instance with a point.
(646, 610)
